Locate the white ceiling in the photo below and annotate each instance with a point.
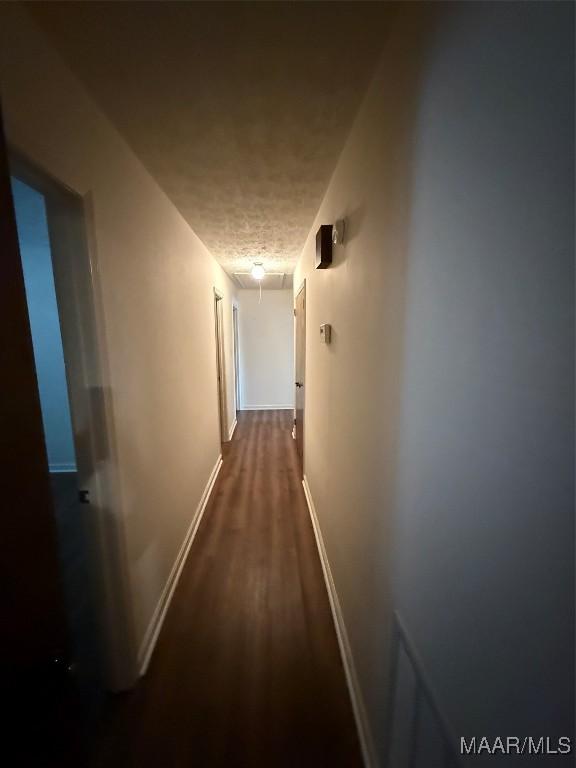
(239, 110)
(272, 280)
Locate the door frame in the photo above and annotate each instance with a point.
(236, 334)
(76, 277)
(296, 294)
(35, 633)
(220, 364)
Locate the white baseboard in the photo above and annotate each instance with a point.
(62, 467)
(364, 734)
(151, 636)
(232, 428)
(267, 408)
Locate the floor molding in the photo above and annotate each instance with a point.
(366, 742)
(62, 467)
(267, 408)
(151, 636)
(232, 428)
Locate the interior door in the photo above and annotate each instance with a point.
(75, 483)
(220, 369)
(300, 367)
(34, 634)
(236, 357)
(92, 564)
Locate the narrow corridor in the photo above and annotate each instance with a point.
(247, 670)
(218, 215)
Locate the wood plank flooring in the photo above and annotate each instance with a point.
(247, 670)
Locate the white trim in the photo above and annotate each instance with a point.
(221, 386)
(362, 725)
(62, 467)
(267, 408)
(151, 635)
(232, 428)
(79, 296)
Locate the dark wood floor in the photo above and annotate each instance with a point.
(247, 670)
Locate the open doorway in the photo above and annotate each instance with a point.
(67, 496)
(300, 371)
(236, 358)
(220, 366)
(59, 290)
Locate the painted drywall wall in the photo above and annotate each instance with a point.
(266, 343)
(352, 386)
(155, 284)
(45, 325)
(485, 493)
(439, 422)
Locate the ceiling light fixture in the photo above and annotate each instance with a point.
(258, 272)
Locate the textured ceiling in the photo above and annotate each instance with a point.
(272, 281)
(239, 110)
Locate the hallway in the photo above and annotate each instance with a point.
(359, 214)
(247, 670)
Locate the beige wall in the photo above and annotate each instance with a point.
(266, 342)
(352, 385)
(156, 281)
(439, 423)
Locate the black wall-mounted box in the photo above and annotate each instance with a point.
(324, 246)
